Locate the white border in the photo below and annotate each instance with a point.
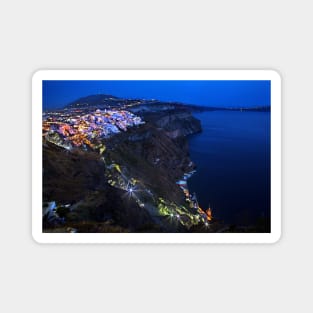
(271, 75)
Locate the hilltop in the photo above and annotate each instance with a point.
(125, 180)
(103, 101)
(99, 101)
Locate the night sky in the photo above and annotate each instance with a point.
(59, 93)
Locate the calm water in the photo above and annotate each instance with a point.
(232, 155)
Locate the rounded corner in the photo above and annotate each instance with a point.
(276, 74)
(36, 238)
(276, 238)
(37, 75)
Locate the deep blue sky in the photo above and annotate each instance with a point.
(207, 93)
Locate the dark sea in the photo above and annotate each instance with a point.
(232, 156)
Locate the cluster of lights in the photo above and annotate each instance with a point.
(175, 215)
(81, 128)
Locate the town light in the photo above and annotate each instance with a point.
(130, 191)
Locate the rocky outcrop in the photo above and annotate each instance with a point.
(176, 123)
(155, 154)
(68, 176)
(77, 178)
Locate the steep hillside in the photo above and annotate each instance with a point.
(131, 186)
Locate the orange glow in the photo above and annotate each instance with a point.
(208, 212)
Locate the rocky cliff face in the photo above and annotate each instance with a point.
(158, 151)
(152, 157)
(175, 123)
(78, 178)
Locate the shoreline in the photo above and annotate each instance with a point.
(192, 199)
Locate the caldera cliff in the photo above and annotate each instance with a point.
(130, 186)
